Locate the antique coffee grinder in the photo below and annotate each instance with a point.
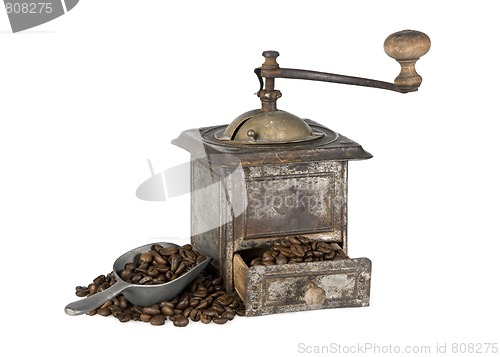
(269, 175)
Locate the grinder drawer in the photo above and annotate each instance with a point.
(302, 286)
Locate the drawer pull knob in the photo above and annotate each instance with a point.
(314, 295)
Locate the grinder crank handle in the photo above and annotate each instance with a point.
(405, 46)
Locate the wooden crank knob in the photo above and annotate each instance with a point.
(407, 47)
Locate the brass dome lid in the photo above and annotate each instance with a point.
(267, 127)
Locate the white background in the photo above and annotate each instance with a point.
(86, 99)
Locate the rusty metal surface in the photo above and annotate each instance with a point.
(293, 73)
(307, 286)
(201, 143)
(289, 199)
(277, 200)
(281, 191)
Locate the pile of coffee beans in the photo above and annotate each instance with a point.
(203, 300)
(161, 265)
(297, 250)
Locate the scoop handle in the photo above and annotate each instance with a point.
(90, 303)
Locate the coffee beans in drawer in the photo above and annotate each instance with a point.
(297, 250)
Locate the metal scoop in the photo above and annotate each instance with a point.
(141, 295)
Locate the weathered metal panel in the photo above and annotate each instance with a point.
(308, 286)
(289, 199)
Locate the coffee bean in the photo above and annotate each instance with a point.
(195, 315)
(104, 311)
(157, 248)
(187, 247)
(175, 259)
(187, 311)
(269, 258)
(122, 302)
(82, 291)
(153, 311)
(152, 272)
(267, 254)
(115, 309)
(216, 281)
(330, 255)
(161, 278)
(180, 269)
(181, 321)
(182, 304)
(92, 289)
(285, 243)
(203, 304)
(194, 302)
(205, 318)
(219, 320)
(200, 293)
(162, 268)
(157, 320)
(211, 312)
(233, 305)
(277, 247)
(145, 280)
(217, 294)
(99, 280)
(297, 250)
(294, 241)
(325, 249)
(145, 317)
(135, 316)
(146, 257)
(281, 259)
(170, 304)
(200, 259)
(229, 315)
(209, 299)
(191, 255)
(218, 308)
(167, 310)
(137, 309)
(287, 252)
(136, 278)
(126, 274)
(224, 300)
(158, 258)
(303, 240)
(106, 304)
(168, 251)
(124, 317)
